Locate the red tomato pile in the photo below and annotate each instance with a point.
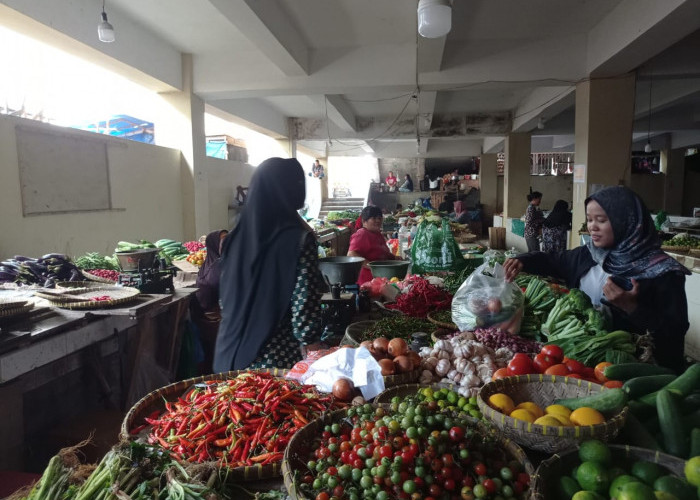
(551, 361)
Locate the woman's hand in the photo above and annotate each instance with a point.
(512, 267)
(621, 298)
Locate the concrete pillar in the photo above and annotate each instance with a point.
(604, 116)
(324, 181)
(182, 127)
(674, 162)
(488, 182)
(516, 182)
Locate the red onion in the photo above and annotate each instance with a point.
(496, 338)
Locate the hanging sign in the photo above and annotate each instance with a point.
(580, 173)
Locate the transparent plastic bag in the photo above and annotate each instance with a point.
(492, 257)
(485, 300)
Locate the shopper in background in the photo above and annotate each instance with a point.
(533, 221)
(391, 181)
(369, 243)
(555, 226)
(204, 309)
(623, 268)
(460, 215)
(407, 186)
(317, 170)
(271, 286)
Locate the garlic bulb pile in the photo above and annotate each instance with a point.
(462, 361)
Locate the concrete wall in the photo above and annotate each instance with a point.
(553, 188)
(415, 167)
(146, 185)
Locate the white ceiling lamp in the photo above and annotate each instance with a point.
(105, 31)
(647, 147)
(434, 18)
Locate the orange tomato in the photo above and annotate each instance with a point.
(574, 366)
(574, 375)
(600, 371)
(500, 373)
(613, 384)
(558, 369)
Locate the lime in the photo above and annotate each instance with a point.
(452, 397)
(567, 487)
(593, 476)
(692, 471)
(595, 451)
(662, 495)
(636, 491)
(619, 482)
(462, 401)
(646, 471)
(676, 487)
(586, 495)
(427, 392)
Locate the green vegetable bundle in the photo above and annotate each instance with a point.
(539, 301)
(93, 260)
(342, 214)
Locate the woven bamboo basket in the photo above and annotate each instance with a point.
(355, 330)
(675, 249)
(543, 390)
(545, 481)
(83, 297)
(155, 401)
(302, 444)
(441, 324)
(402, 378)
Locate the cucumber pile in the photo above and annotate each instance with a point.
(664, 408)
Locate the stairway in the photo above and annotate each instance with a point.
(336, 204)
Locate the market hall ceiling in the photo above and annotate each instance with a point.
(353, 77)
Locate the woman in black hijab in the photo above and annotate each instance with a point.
(271, 286)
(555, 226)
(624, 269)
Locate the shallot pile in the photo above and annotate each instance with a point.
(496, 338)
(463, 361)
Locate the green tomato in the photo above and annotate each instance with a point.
(345, 471)
(506, 474)
(411, 433)
(356, 474)
(366, 482)
(395, 477)
(335, 428)
(409, 486)
(480, 491)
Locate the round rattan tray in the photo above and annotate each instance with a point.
(12, 312)
(441, 324)
(155, 401)
(545, 480)
(89, 297)
(93, 277)
(301, 445)
(543, 390)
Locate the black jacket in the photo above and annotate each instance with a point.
(662, 305)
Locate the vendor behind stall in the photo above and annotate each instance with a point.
(368, 242)
(204, 309)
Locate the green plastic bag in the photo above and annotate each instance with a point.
(435, 249)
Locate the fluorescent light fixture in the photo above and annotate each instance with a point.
(434, 18)
(105, 31)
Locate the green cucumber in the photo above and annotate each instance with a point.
(683, 385)
(691, 402)
(637, 434)
(676, 487)
(639, 386)
(694, 442)
(626, 371)
(671, 424)
(608, 400)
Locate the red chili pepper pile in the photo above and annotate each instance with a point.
(243, 421)
(422, 298)
(101, 298)
(105, 273)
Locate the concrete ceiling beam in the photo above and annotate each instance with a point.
(429, 53)
(635, 31)
(543, 102)
(254, 114)
(263, 24)
(339, 111)
(492, 144)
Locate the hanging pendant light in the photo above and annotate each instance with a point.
(647, 147)
(434, 18)
(105, 31)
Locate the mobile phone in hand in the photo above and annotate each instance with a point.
(623, 283)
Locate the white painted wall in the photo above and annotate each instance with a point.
(147, 192)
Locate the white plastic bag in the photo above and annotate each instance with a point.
(486, 300)
(357, 365)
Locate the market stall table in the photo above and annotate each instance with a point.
(73, 362)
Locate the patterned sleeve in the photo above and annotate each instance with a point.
(306, 298)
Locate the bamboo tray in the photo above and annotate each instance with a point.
(83, 297)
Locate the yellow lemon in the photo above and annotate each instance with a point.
(586, 416)
(522, 414)
(501, 402)
(531, 407)
(563, 420)
(548, 420)
(558, 410)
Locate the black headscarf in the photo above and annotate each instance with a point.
(258, 265)
(637, 249)
(559, 216)
(208, 276)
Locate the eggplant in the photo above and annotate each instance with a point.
(7, 277)
(75, 275)
(22, 258)
(55, 256)
(49, 283)
(10, 270)
(10, 263)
